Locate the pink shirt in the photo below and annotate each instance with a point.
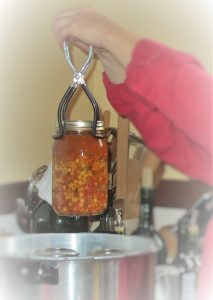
(167, 95)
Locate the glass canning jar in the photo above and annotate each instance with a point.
(80, 170)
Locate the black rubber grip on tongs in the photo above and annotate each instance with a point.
(62, 110)
(96, 111)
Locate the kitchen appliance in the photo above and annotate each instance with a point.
(84, 266)
(35, 215)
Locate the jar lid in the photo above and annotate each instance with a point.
(82, 125)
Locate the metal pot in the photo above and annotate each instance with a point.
(78, 266)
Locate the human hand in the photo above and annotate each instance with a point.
(86, 26)
(83, 26)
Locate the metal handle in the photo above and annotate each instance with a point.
(78, 79)
(71, 64)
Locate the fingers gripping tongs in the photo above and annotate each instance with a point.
(78, 79)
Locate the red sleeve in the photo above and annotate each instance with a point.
(168, 97)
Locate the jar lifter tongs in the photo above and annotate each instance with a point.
(78, 79)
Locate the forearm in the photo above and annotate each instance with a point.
(120, 43)
(113, 69)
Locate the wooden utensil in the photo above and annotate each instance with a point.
(122, 163)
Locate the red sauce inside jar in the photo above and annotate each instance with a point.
(80, 174)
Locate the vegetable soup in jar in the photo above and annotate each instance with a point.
(80, 170)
